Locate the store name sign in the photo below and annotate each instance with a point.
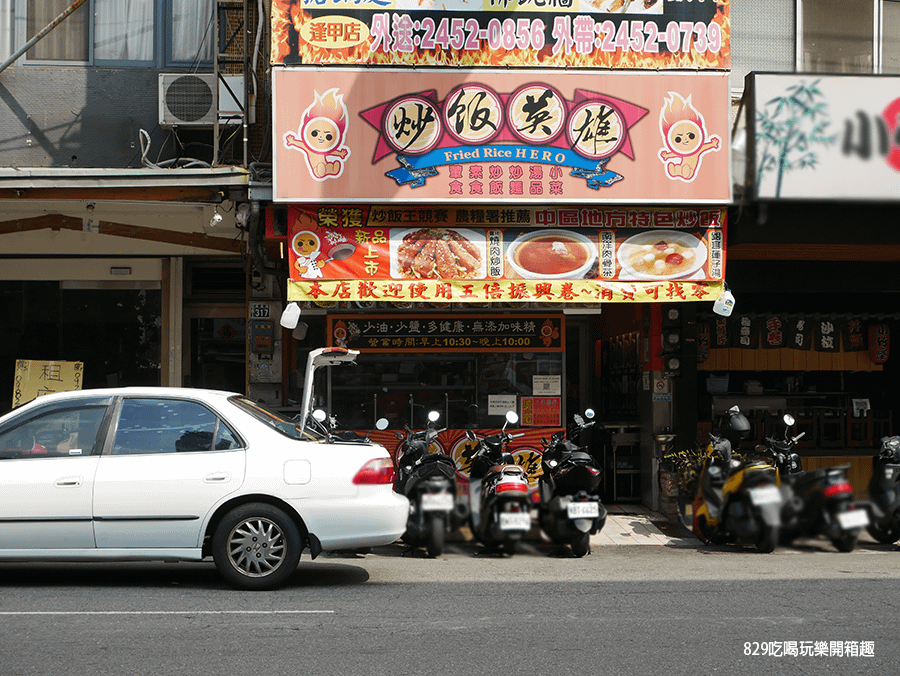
(472, 333)
(651, 34)
(515, 137)
(826, 136)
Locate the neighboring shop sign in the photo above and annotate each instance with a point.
(471, 333)
(334, 257)
(825, 136)
(456, 136)
(651, 34)
(37, 378)
(818, 333)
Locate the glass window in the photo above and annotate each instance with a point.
(762, 38)
(122, 32)
(837, 36)
(68, 41)
(460, 386)
(890, 55)
(169, 426)
(60, 432)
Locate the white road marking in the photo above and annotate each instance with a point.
(163, 612)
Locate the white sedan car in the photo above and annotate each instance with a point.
(147, 473)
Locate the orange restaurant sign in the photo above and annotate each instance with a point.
(424, 255)
(648, 34)
(455, 136)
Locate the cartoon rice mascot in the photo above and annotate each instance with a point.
(684, 133)
(306, 245)
(323, 129)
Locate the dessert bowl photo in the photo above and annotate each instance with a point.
(666, 254)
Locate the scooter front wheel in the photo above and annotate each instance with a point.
(435, 545)
(885, 536)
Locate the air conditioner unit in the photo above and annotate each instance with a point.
(186, 99)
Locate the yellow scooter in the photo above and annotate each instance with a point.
(737, 501)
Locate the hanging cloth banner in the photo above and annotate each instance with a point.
(747, 331)
(630, 260)
(774, 335)
(853, 337)
(827, 335)
(800, 332)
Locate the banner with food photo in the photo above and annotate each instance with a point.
(651, 34)
(514, 137)
(333, 260)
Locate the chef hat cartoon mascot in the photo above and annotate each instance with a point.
(306, 246)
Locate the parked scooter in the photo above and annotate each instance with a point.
(428, 479)
(570, 510)
(816, 502)
(737, 500)
(499, 506)
(884, 492)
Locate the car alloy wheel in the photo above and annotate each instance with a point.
(256, 546)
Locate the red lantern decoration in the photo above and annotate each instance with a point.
(879, 343)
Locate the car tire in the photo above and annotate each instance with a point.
(256, 546)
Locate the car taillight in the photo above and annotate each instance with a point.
(378, 471)
(515, 487)
(836, 489)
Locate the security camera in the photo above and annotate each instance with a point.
(215, 220)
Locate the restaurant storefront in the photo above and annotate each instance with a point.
(494, 240)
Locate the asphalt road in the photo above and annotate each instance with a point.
(620, 610)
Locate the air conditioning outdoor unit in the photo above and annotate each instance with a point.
(186, 99)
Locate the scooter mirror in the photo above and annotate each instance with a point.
(589, 413)
(381, 424)
(398, 435)
(319, 415)
(512, 417)
(433, 415)
(789, 419)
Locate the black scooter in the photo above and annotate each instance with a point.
(816, 502)
(499, 506)
(570, 510)
(428, 480)
(884, 492)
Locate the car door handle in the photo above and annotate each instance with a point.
(68, 481)
(217, 477)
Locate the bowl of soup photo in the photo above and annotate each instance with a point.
(661, 254)
(551, 254)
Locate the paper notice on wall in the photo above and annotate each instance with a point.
(546, 386)
(36, 378)
(499, 404)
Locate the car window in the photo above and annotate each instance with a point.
(58, 432)
(169, 426)
(277, 421)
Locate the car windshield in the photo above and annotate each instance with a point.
(277, 421)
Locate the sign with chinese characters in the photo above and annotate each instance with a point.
(472, 333)
(452, 136)
(825, 136)
(335, 258)
(542, 411)
(652, 34)
(37, 378)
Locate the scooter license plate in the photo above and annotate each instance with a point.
(437, 502)
(583, 510)
(515, 521)
(766, 495)
(856, 518)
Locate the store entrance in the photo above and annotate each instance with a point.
(217, 336)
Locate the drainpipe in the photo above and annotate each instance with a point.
(37, 38)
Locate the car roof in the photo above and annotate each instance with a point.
(134, 391)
